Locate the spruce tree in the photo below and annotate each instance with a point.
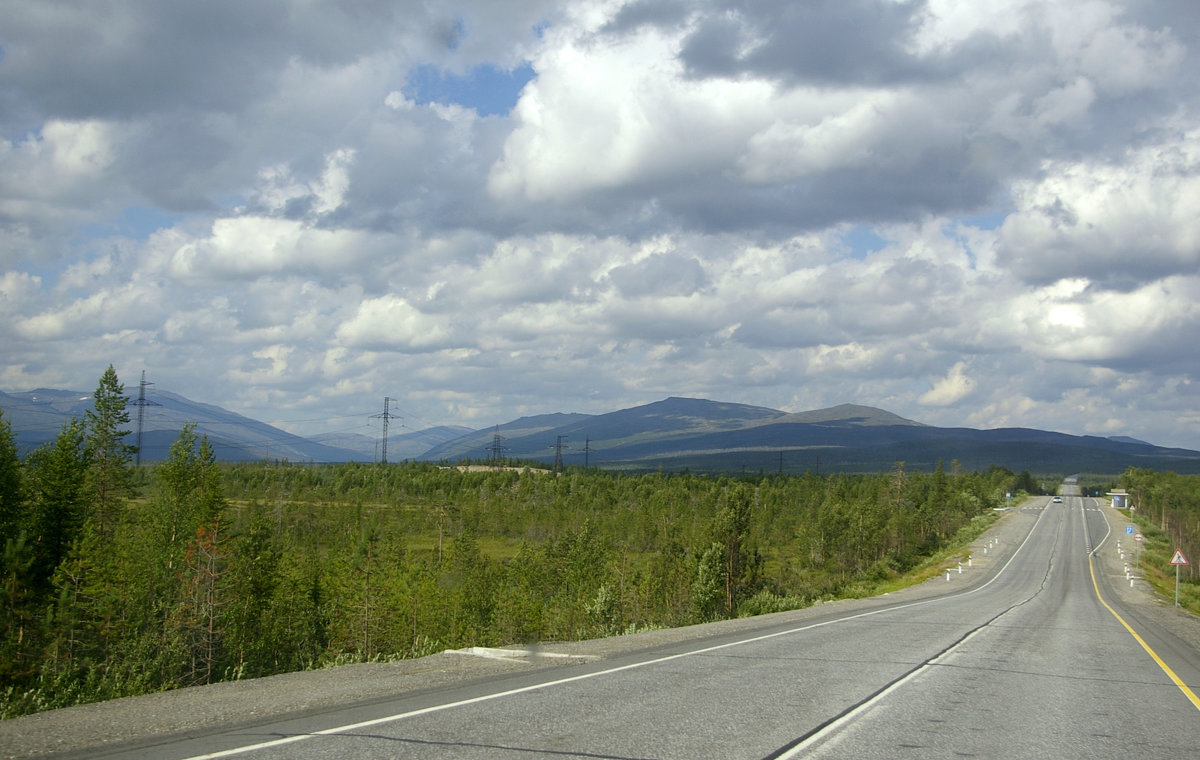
(10, 482)
(56, 475)
(110, 475)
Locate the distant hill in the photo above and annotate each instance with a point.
(478, 444)
(401, 445)
(848, 415)
(709, 436)
(674, 434)
(38, 416)
(1127, 439)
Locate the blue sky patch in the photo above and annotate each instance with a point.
(137, 222)
(986, 221)
(861, 241)
(490, 90)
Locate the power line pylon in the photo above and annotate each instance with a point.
(387, 415)
(141, 404)
(496, 450)
(587, 449)
(558, 447)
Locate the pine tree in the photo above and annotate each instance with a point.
(110, 475)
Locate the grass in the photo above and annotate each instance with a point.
(949, 556)
(1154, 563)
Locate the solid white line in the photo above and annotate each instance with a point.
(828, 733)
(584, 676)
(1107, 524)
(823, 735)
(520, 655)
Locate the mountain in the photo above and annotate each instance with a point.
(38, 416)
(850, 415)
(400, 446)
(1126, 439)
(478, 444)
(674, 434)
(708, 436)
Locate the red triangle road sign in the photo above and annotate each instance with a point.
(1179, 559)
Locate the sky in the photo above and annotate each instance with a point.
(976, 214)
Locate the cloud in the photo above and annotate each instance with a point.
(659, 274)
(806, 42)
(390, 322)
(968, 213)
(637, 122)
(951, 389)
(718, 118)
(1122, 221)
(1153, 324)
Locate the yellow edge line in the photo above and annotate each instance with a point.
(1166, 669)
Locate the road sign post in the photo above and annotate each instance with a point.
(1178, 561)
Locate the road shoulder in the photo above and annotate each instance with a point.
(150, 718)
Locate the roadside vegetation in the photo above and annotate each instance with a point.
(119, 581)
(1165, 507)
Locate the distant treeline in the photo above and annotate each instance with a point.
(120, 581)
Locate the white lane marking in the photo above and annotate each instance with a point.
(585, 676)
(824, 737)
(522, 655)
(1107, 523)
(830, 735)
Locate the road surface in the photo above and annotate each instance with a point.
(1027, 653)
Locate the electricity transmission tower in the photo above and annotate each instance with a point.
(387, 415)
(587, 449)
(496, 450)
(141, 403)
(558, 447)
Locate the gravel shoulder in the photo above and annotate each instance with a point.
(73, 731)
(1140, 596)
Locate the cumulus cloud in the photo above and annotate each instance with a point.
(951, 389)
(1130, 220)
(669, 273)
(390, 322)
(638, 121)
(969, 213)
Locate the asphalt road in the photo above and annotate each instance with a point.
(1017, 657)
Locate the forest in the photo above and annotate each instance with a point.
(121, 580)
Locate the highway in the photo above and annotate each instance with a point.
(1022, 660)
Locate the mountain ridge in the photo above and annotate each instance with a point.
(675, 433)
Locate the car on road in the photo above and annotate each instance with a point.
(1057, 500)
